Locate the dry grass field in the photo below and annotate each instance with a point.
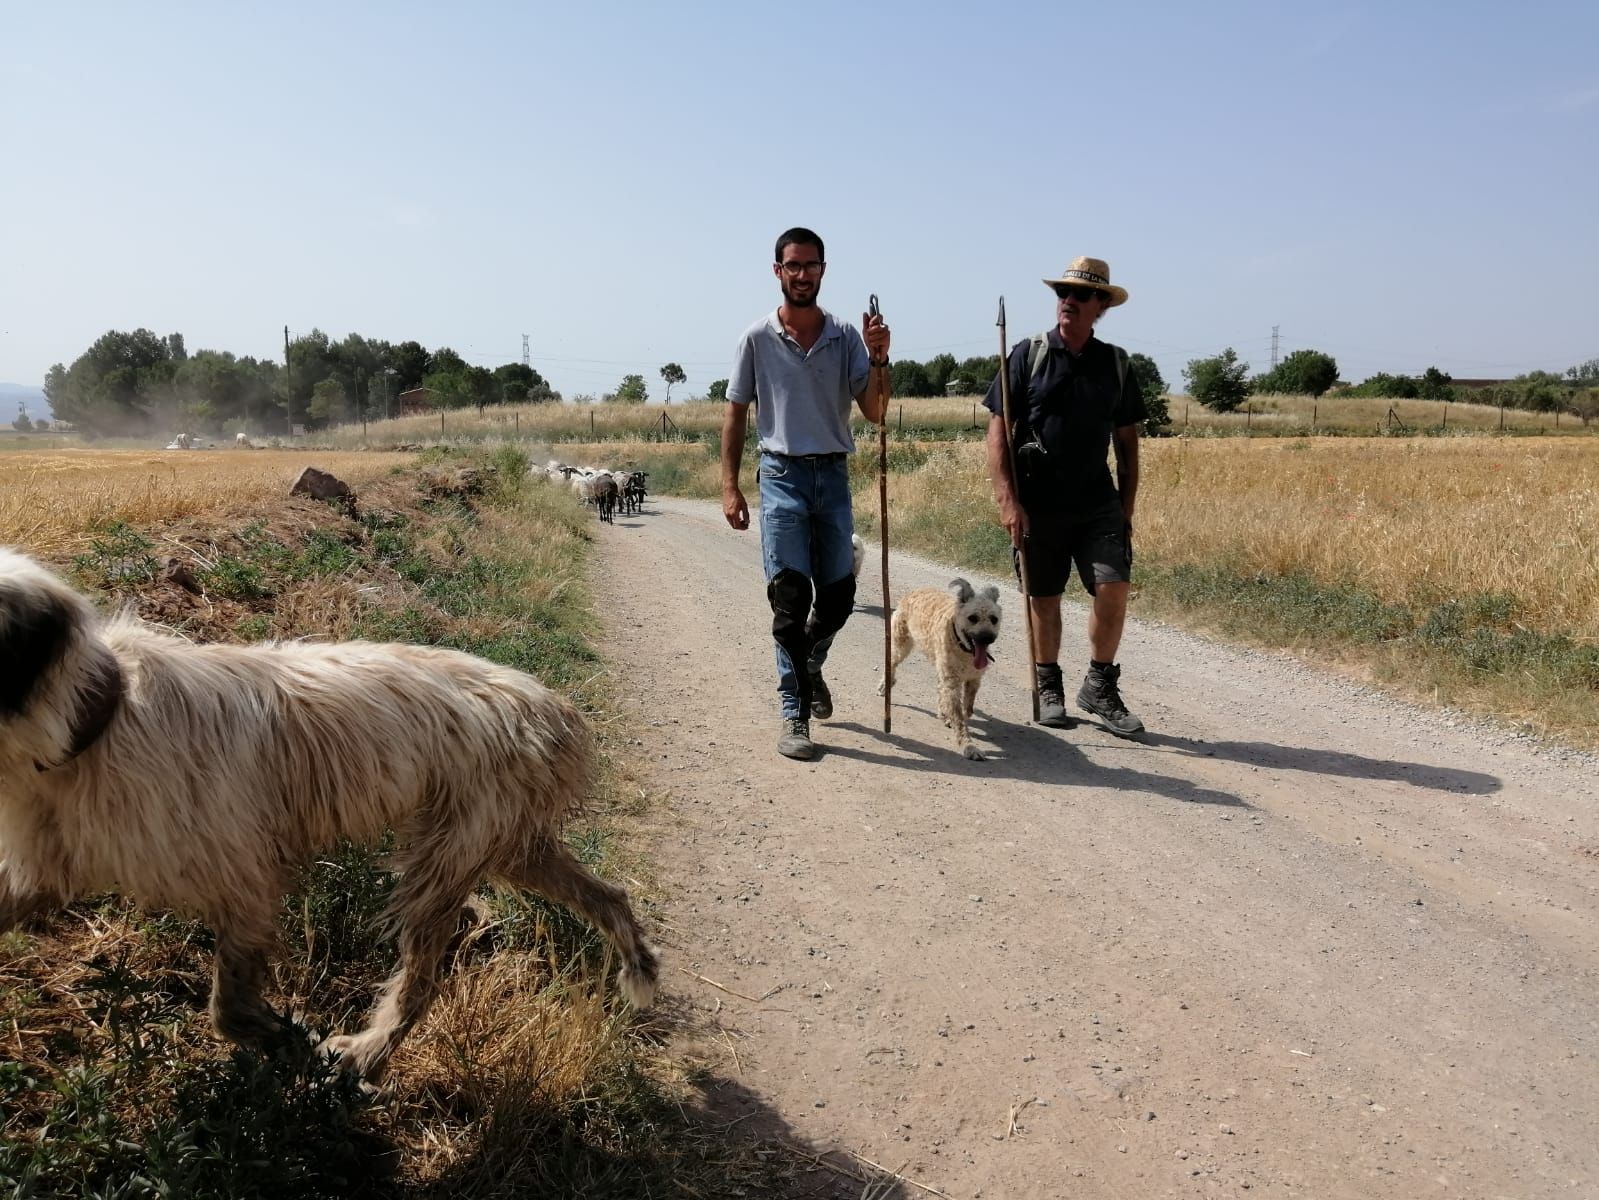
(53, 500)
(1465, 570)
(955, 417)
(1363, 416)
(1413, 521)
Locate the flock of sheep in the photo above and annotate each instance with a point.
(605, 491)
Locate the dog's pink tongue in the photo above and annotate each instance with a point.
(980, 656)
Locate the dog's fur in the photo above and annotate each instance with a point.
(955, 629)
(199, 777)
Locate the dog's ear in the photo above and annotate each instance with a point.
(35, 627)
(98, 701)
(991, 593)
(961, 590)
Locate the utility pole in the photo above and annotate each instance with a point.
(288, 384)
(1274, 329)
(525, 355)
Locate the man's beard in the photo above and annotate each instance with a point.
(800, 301)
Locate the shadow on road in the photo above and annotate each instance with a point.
(1331, 762)
(1024, 752)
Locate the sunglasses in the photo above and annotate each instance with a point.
(1082, 295)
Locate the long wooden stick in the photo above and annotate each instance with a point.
(1016, 487)
(882, 530)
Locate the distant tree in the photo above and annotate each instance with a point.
(910, 378)
(1435, 385)
(631, 390)
(209, 388)
(1302, 373)
(1388, 387)
(520, 383)
(22, 424)
(410, 363)
(1539, 391)
(1152, 386)
(448, 389)
(939, 370)
(1585, 372)
(329, 401)
(1220, 383)
(481, 386)
(672, 373)
(311, 360)
(1585, 404)
(718, 390)
(445, 359)
(114, 385)
(974, 375)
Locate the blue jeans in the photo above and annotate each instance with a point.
(806, 525)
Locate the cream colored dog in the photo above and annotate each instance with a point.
(955, 629)
(199, 777)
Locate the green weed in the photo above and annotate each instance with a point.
(117, 560)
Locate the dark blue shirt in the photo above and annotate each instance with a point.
(1073, 408)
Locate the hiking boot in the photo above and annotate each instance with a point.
(1052, 698)
(821, 698)
(796, 740)
(1100, 696)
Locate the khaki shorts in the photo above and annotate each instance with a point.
(1100, 545)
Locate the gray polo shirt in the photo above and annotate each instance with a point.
(802, 399)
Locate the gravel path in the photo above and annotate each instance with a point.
(1303, 941)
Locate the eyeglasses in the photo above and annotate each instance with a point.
(793, 269)
(1078, 293)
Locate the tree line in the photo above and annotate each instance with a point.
(1222, 382)
(133, 384)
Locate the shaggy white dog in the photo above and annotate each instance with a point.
(199, 777)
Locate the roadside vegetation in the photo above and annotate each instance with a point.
(1459, 571)
(530, 1077)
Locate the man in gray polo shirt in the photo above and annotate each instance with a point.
(802, 368)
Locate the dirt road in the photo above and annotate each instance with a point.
(1303, 941)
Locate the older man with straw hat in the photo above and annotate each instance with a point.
(1073, 399)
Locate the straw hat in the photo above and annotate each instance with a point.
(1094, 273)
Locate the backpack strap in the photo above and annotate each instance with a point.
(1036, 356)
(1040, 352)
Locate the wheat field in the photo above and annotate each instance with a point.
(956, 417)
(55, 500)
(1413, 521)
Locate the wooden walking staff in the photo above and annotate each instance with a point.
(882, 531)
(1016, 486)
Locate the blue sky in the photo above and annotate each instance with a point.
(1400, 185)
